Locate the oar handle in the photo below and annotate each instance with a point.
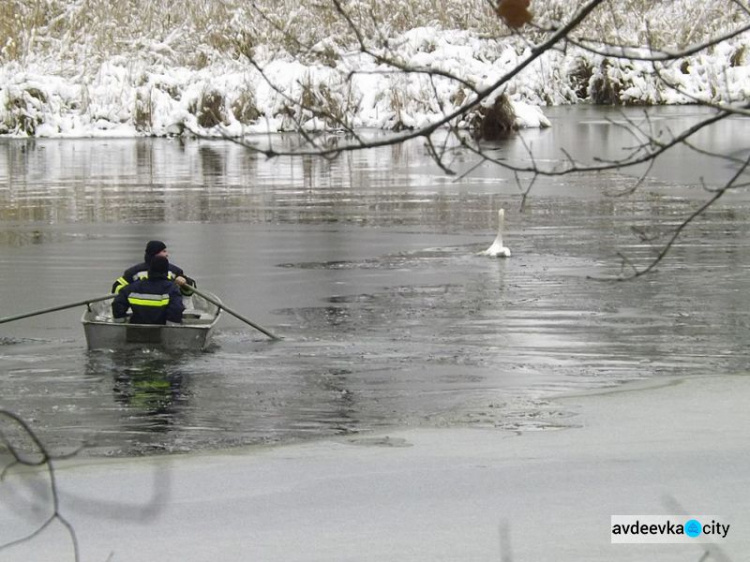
(235, 314)
(55, 308)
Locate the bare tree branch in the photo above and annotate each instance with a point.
(634, 52)
(44, 460)
(662, 253)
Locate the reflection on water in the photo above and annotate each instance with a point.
(147, 180)
(152, 390)
(148, 392)
(368, 266)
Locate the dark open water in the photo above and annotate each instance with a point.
(367, 266)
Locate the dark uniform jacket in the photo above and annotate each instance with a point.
(153, 301)
(140, 271)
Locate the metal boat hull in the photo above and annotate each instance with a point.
(199, 322)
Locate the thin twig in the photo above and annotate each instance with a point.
(717, 194)
(45, 459)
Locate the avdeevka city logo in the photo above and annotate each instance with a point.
(668, 529)
(693, 528)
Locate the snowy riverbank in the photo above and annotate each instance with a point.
(126, 97)
(421, 495)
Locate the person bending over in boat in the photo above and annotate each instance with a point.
(154, 300)
(140, 270)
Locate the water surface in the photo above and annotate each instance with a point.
(367, 266)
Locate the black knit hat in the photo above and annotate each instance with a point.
(153, 248)
(158, 268)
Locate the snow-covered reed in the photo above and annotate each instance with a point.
(94, 67)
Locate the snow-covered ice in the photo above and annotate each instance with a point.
(662, 447)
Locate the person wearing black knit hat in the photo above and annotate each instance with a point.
(153, 300)
(154, 248)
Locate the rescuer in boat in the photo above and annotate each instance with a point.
(140, 271)
(153, 300)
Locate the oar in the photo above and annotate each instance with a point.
(55, 308)
(233, 313)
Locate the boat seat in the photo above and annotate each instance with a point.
(195, 317)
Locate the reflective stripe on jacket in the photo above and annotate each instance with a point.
(151, 302)
(139, 272)
(145, 299)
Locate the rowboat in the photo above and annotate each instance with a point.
(198, 323)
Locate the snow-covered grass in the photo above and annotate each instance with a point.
(98, 68)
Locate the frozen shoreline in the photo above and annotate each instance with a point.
(424, 494)
(134, 96)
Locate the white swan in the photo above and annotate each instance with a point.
(497, 250)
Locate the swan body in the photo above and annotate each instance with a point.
(497, 250)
